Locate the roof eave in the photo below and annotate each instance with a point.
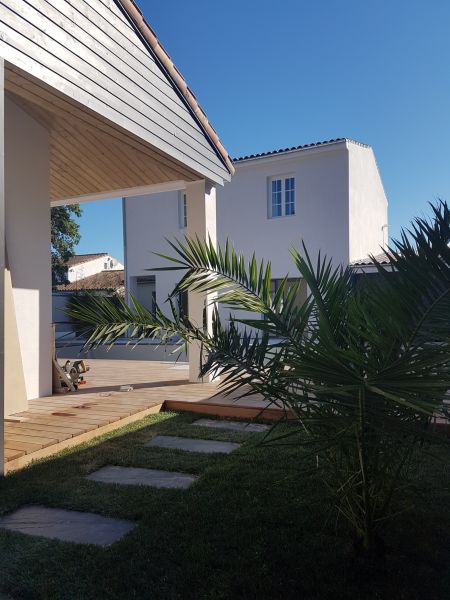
(138, 19)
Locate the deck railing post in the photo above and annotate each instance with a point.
(201, 221)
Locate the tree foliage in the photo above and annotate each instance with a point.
(65, 235)
(363, 368)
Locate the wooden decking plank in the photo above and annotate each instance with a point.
(27, 447)
(81, 426)
(25, 426)
(32, 439)
(12, 454)
(72, 414)
(55, 436)
(60, 419)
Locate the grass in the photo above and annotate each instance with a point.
(256, 525)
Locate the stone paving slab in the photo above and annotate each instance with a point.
(66, 525)
(233, 425)
(148, 477)
(192, 445)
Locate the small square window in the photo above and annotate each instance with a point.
(281, 197)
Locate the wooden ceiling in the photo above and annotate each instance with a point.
(89, 154)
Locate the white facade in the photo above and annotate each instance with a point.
(92, 266)
(340, 210)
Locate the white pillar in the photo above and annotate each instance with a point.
(201, 221)
(2, 266)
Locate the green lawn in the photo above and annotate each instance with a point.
(256, 525)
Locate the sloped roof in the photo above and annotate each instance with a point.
(103, 281)
(135, 14)
(302, 147)
(382, 258)
(79, 259)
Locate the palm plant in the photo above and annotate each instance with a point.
(362, 366)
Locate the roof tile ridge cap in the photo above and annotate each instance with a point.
(139, 20)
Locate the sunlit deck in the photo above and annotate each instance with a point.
(57, 422)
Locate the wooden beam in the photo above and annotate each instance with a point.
(2, 265)
(143, 190)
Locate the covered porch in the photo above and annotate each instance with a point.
(91, 108)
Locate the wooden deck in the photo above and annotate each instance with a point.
(56, 422)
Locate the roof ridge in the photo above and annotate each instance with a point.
(301, 147)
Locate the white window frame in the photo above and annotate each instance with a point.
(182, 210)
(281, 178)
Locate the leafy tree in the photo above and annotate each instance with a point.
(363, 368)
(65, 235)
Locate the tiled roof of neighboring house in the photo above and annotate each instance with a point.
(303, 147)
(109, 281)
(382, 258)
(135, 14)
(78, 259)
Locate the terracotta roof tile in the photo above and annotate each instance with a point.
(103, 281)
(78, 259)
(302, 147)
(382, 258)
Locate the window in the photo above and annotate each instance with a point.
(182, 210)
(302, 290)
(144, 290)
(281, 197)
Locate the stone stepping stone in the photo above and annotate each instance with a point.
(233, 425)
(66, 525)
(148, 477)
(192, 445)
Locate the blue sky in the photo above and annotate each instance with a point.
(277, 74)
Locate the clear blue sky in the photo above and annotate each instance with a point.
(276, 74)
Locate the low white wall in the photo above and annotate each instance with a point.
(122, 351)
(27, 219)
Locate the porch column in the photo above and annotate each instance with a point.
(2, 267)
(201, 221)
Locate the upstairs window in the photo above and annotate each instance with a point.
(182, 210)
(281, 197)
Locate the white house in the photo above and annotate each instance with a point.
(91, 107)
(99, 273)
(328, 194)
(85, 265)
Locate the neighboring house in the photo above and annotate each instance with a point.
(328, 194)
(102, 283)
(81, 266)
(91, 108)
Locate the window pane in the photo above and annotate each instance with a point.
(184, 210)
(289, 196)
(276, 198)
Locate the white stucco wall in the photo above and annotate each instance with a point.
(147, 221)
(320, 213)
(91, 267)
(340, 209)
(27, 220)
(368, 206)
